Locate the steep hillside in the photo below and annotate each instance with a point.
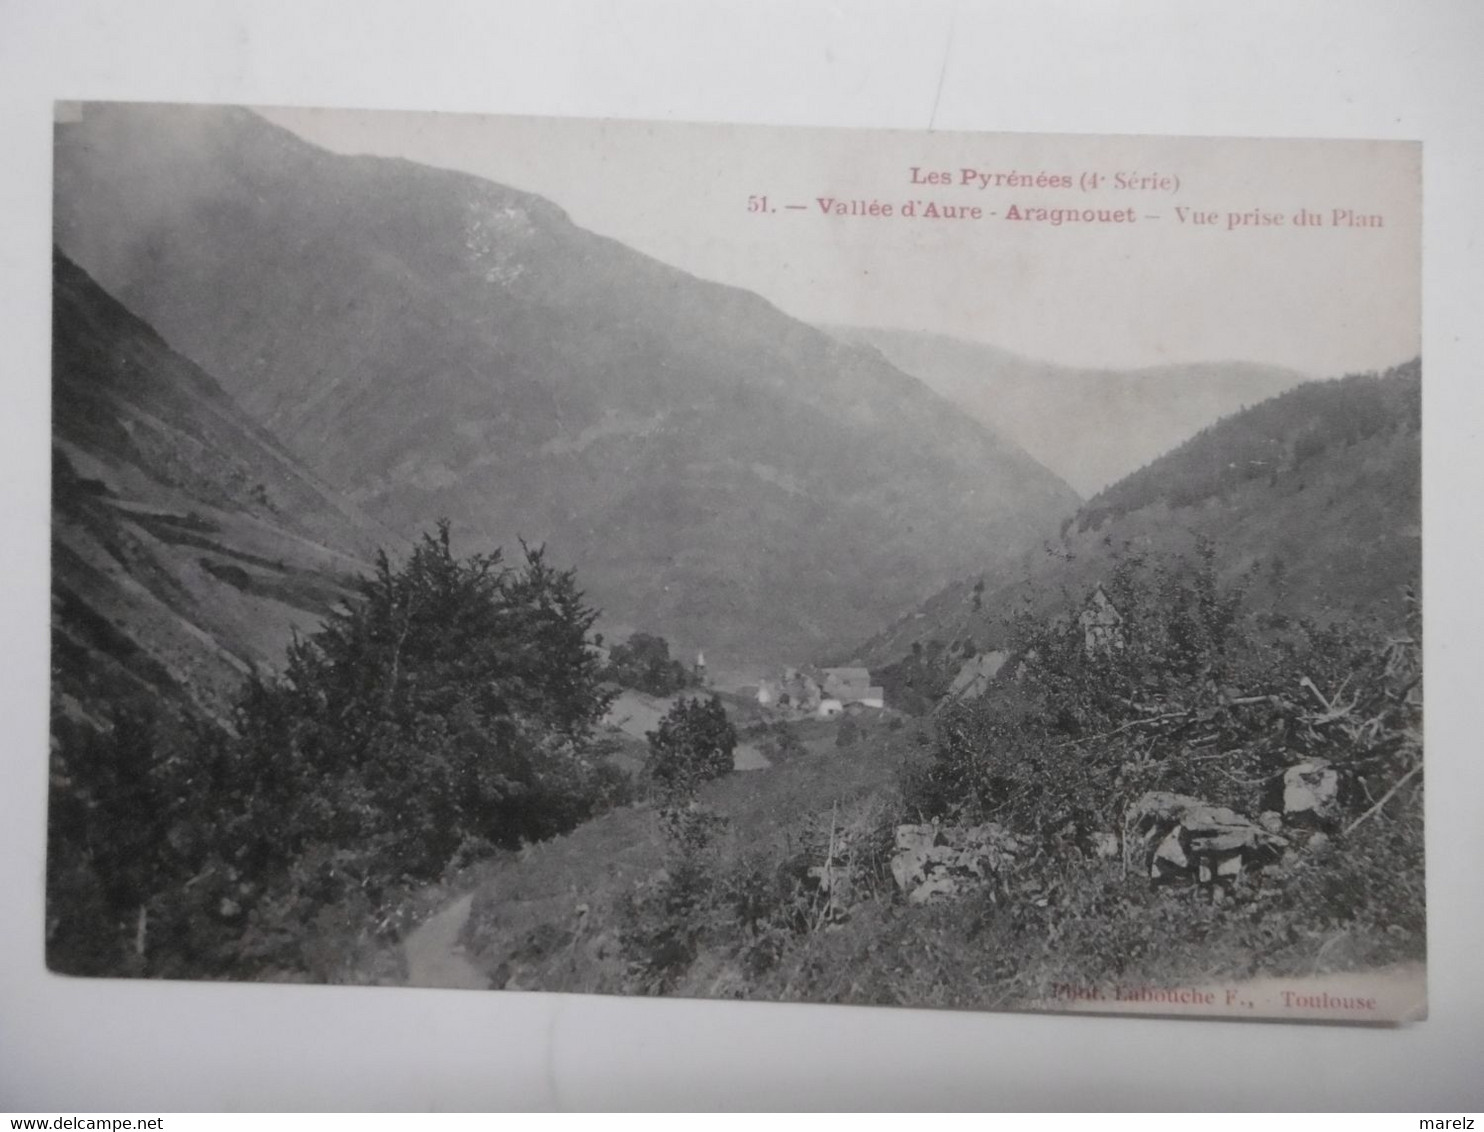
(186, 544)
(1091, 427)
(1313, 496)
(437, 345)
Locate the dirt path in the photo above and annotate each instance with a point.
(435, 958)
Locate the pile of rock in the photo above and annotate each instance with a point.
(934, 862)
(1177, 837)
(1311, 794)
(1169, 837)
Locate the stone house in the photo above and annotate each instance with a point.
(806, 690)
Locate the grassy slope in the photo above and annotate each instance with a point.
(550, 917)
(527, 929)
(186, 545)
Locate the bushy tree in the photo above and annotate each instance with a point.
(453, 700)
(109, 851)
(780, 742)
(661, 924)
(643, 662)
(694, 742)
(916, 682)
(449, 707)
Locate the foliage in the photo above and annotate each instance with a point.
(1197, 699)
(451, 707)
(109, 850)
(779, 742)
(662, 922)
(643, 662)
(804, 906)
(718, 905)
(453, 700)
(916, 682)
(694, 742)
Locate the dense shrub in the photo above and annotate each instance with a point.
(779, 741)
(916, 682)
(721, 906)
(109, 850)
(452, 705)
(694, 742)
(661, 923)
(454, 699)
(1199, 699)
(643, 663)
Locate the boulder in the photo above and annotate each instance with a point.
(1311, 794)
(934, 862)
(1169, 860)
(1181, 838)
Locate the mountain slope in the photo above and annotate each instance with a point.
(1089, 426)
(187, 545)
(437, 345)
(1314, 497)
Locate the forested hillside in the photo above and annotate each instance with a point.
(1269, 441)
(1312, 499)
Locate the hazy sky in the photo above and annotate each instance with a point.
(1323, 299)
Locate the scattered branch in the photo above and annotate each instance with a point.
(1400, 782)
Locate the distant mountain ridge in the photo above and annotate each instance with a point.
(436, 345)
(1090, 426)
(187, 546)
(1312, 497)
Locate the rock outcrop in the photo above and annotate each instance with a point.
(935, 862)
(1180, 838)
(1311, 794)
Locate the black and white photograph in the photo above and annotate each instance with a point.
(843, 566)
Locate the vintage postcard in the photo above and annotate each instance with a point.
(896, 568)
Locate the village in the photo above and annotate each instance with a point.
(823, 692)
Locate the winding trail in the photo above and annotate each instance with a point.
(435, 958)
